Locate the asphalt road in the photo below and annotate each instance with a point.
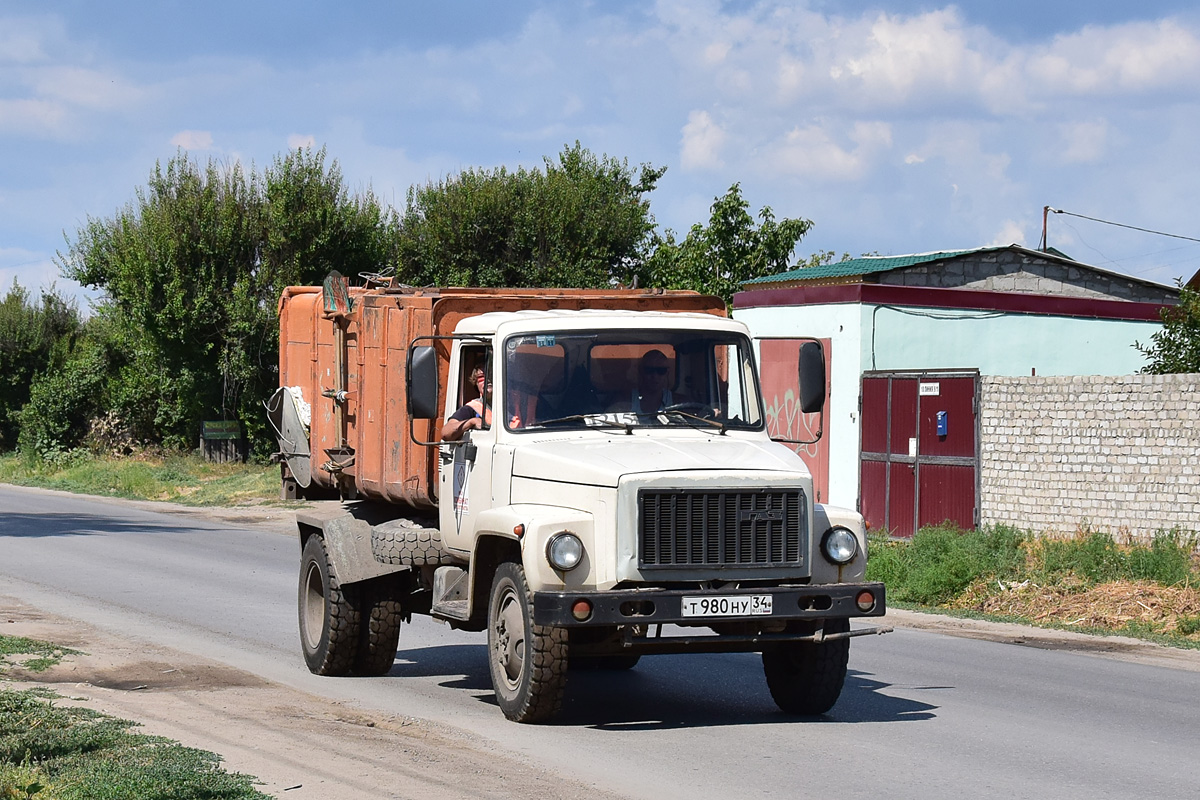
(923, 714)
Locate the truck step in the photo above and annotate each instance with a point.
(457, 610)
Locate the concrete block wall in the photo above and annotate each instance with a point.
(1116, 453)
(1015, 271)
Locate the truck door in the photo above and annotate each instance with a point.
(466, 487)
(465, 479)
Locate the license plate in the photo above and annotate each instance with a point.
(737, 605)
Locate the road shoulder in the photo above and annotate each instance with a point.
(296, 744)
(1121, 648)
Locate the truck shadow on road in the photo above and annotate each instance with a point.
(42, 525)
(669, 692)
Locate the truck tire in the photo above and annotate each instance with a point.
(379, 627)
(806, 677)
(414, 547)
(528, 662)
(329, 615)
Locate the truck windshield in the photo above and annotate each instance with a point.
(631, 378)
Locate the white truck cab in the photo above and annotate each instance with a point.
(628, 473)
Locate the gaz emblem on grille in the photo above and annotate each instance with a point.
(772, 515)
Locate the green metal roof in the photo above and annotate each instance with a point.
(863, 266)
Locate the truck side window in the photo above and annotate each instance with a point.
(475, 395)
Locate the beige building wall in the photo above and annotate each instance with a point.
(1120, 454)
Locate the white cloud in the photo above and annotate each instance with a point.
(1084, 142)
(1136, 56)
(702, 140)
(46, 91)
(716, 52)
(901, 55)
(297, 141)
(86, 88)
(1011, 232)
(193, 140)
(812, 151)
(31, 116)
(18, 43)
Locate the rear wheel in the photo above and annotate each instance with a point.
(379, 626)
(528, 662)
(329, 615)
(807, 677)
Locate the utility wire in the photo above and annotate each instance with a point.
(1121, 225)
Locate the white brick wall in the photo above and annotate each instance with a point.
(1116, 453)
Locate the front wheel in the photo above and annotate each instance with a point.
(329, 615)
(807, 677)
(528, 662)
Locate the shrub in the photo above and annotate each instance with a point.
(34, 335)
(942, 561)
(1168, 559)
(61, 404)
(1095, 557)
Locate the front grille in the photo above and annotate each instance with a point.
(729, 528)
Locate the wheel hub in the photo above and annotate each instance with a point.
(510, 640)
(314, 606)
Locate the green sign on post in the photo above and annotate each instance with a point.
(222, 429)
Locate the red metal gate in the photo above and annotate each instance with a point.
(919, 450)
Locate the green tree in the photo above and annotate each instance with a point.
(62, 402)
(192, 270)
(718, 258)
(1176, 346)
(583, 221)
(35, 336)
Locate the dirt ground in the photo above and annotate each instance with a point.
(298, 745)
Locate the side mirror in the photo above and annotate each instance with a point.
(421, 384)
(812, 377)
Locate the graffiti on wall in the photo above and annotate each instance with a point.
(781, 395)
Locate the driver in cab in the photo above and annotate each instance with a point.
(652, 392)
(475, 414)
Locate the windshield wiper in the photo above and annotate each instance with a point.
(711, 422)
(678, 409)
(589, 420)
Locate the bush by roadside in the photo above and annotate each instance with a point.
(1090, 581)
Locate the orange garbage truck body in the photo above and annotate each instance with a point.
(359, 433)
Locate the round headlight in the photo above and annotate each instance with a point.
(840, 545)
(564, 551)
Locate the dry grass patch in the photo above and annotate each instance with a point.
(1116, 605)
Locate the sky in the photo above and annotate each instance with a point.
(898, 127)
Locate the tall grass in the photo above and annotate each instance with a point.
(940, 562)
(181, 478)
(1097, 558)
